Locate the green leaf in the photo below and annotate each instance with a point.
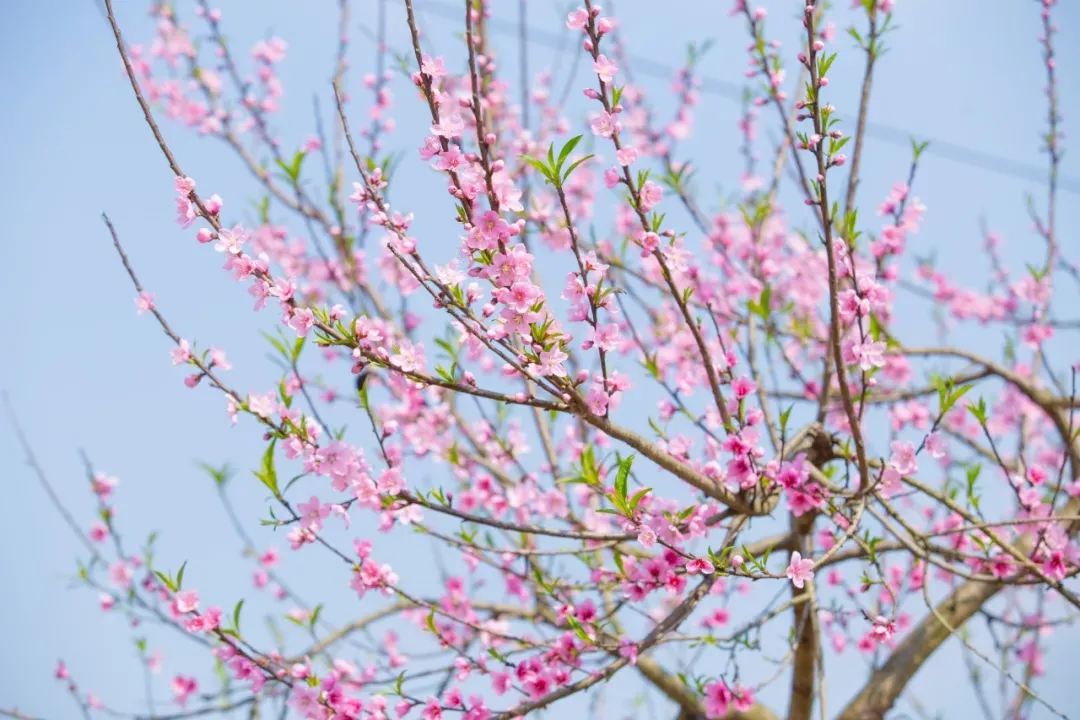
(785, 415)
(573, 166)
(219, 475)
(567, 149)
(266, 473)
(588, 466)
(578, 630)
(431, 623)
(277, 345)
(180, 576)
(619, 563)
(621, 479)
(638, 497)
(978, 409)
(167, 580)
(236, 615)
(954, 396)
(292, 171)
(540, 167)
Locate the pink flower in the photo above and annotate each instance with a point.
(181, 353)
(263, 405)
(183, 687)
(312, 513)
(717, 700)
(699, 565)
(214, 204)
(577, 19)
(231, 241)
(628, 650)
(218, 359)
(866, 355)
(409, 358)
(450, 125)
(903, 458)
(1055, 566)
(103, 485)
(1002, 566)
(143, 302)
(605, 69)
(604, 124)
(1035, 335)
(500, 682)
(936, 445)
(452, 159)
(626, 156)
(98, 532)
(186, 212)
(650, 242)
(432, 710)
(799, 570)
(302, 321)
(646, 536)
(743, 386)
(883, 629)
(186, 601)
(492, 227)
(435, 68)
(743, 697)
(183, 185)
(120, 574)
(597, 400)
(651, 195)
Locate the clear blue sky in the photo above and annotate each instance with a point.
(84, 373)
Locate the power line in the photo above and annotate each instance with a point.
(943, 149)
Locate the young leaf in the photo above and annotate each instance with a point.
(621, 478)
(638, 497)
(267, 474)
(166, 580)
(567, 149)
(236, 615)
(573, 166)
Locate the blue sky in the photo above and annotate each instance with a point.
(84, 373)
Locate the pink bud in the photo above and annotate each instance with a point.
(205, 235)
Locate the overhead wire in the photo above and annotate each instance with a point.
(944, 149)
